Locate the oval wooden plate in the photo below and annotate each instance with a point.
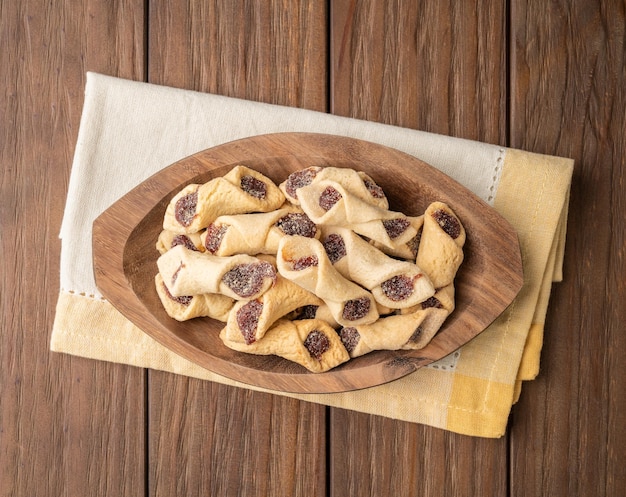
(124, 254)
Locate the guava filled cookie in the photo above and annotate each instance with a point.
(304, 261)
(440, 251)
(403, 246)
(328, 203)
(316, 270)
(249, 320)
(242, 277)
(442, 299)
(392, 332)
(357, 183)
(168, 240)
(394, 283)
(240, 191)
(432, 319)
(311, 343)
(313, 311)
(257, 233)
(212, 305)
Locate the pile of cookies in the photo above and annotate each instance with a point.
(316, 270)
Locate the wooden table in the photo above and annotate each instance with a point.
(543, 76)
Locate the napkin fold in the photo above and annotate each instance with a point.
(130, 130)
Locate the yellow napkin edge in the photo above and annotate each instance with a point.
(530, 364)
(538, 174)
(531, 357)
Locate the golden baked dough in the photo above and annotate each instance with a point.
(257, 233)
(212, 305)
(329, 203)
(312, 343)
(321, 311)
(169, 239)
(402, 246)
(304, 261)
(284, 266)
(249, 320)
(240, 191)
(443, 299)
(394, 283)
(393, 332)
(432, 320)
(440, 251)
(242, 277)
(357, 183)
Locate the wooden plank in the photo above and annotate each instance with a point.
(438, 67)
(237, 442)
(60, 417)
(267, 51)
(370, 455)
(210, 439)
(433, 66)
(568, 98)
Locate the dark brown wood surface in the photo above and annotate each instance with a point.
(543, 76)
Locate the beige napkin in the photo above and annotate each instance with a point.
(130, 130)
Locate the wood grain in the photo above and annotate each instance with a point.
(270, 51)
(247, 446)
(267, 51)
(568, 98)
(440, 67)
(434, 66)
(60, 417)
(70, 426)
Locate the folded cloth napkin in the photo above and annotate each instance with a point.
(130, 130)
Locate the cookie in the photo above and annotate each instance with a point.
(257, 233)
(240, 191)
(394, 283)
(312, 343)
(304, 261)
(187, 307)
(440, 252)
(187, 272)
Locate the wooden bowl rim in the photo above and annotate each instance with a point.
(118, 268)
